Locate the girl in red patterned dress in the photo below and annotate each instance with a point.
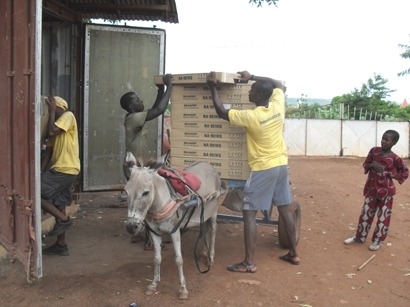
(382, 166)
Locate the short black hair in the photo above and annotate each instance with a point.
(264, 87)
(127, 98)
(395, 135)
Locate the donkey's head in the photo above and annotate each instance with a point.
(140, 190)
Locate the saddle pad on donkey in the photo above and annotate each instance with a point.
(179, 185)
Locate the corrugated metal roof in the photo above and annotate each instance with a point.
(145, 10)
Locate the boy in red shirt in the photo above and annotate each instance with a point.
(382, 166)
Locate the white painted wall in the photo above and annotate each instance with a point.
(319, 137)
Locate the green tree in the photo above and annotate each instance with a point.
(375, 88)
(405, 55)
(371, 98)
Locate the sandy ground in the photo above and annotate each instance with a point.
(105, 269)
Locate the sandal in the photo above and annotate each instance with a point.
(242, 268)
(290, 259)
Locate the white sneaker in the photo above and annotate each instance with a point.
(350, 240)
(374, 246)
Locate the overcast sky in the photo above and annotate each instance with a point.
(321, 48)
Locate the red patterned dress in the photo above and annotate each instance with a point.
(378, 192)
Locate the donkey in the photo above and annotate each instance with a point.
(152, 203)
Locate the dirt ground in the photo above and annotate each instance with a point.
(105, 269)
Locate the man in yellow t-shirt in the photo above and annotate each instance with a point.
(62, 155)
(268, 182)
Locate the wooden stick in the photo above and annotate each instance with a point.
(366, 262)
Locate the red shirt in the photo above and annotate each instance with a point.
(381, 184)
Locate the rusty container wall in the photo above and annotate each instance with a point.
(17, 130)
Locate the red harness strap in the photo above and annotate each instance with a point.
(180, 182)
(165, 213)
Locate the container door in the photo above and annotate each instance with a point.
(117, 60)
(20, 28)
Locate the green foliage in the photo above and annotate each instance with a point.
(260, 2)
(366, 103)
(370, 100)
(375, 89)
(313, 111)
(405, 55)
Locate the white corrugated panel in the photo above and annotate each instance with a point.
(315, 137)
(323, 137)
(295, 136)
(358, 137)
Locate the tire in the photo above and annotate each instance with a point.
(283, 237)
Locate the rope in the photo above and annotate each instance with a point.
(202, 234)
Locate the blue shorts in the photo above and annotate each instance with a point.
(266, 188)
(56, 187)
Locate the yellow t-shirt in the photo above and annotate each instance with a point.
(65, 158)
(264, 132)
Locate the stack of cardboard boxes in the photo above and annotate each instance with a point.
(197, 132)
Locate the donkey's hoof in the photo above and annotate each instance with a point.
(149, 291)
(183, 295)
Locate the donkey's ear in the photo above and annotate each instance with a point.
(130, 159)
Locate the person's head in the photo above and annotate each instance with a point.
(260, 92)
(389, 139)
(61, 106)
(131, 103)
(61, 103)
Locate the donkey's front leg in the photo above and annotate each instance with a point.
(152, 288)
(211, 239)
(176, 241)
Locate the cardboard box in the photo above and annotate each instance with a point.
(198, 93)
(196, 88)
(194, 135)
(204, 107)
(221, 77)
(217, 125)
(212, 144)
(207, 98)
(199, 112)
(184, 162)
(197, 132)
(208, 153)
(233, 173)
(210, 115)
(225, 172)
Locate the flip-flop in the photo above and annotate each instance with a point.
(289, 259)
(242, 268)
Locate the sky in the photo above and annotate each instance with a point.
(320, 48)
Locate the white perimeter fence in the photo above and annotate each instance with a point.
(327, 137)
